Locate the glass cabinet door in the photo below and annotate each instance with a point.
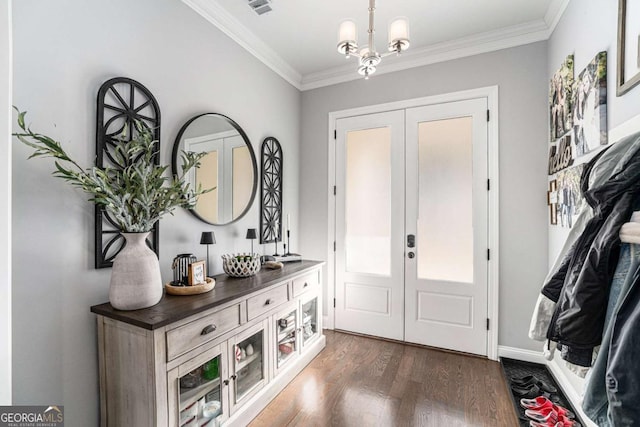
(199, 390)
(309, 320)
(287, 328)
(249, 362)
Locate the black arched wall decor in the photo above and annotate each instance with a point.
(271, 191)
(121, 102)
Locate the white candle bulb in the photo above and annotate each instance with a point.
(288, 222)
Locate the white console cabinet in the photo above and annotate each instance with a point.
(228, 352)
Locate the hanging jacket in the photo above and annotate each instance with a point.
(595, 402)
(573, 300)
(623, 377)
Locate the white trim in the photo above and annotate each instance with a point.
(624, 129)
(493, 232)
(493, 280)
(554, 13)
(522, 354)
(225, 22)
(503, 38)
(5, 210)
(569, 391)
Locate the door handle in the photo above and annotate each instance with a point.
(411, 255)
(411, 240)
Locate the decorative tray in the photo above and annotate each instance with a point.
(191, 290)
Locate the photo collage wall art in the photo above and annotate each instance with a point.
(578, 127)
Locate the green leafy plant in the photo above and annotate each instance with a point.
(136, 196)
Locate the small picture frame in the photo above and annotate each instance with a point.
(197, 273)
(628, 73)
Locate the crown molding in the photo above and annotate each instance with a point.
(554, 13)
(490, 41)
(466, 46)
(225, 22)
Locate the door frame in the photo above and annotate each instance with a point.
(493, 268)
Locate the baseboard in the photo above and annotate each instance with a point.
(327, 323)
(569, 390)
(521, 354)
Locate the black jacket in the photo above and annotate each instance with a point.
(580, 286)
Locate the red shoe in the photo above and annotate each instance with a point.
(549, 424)
(541, 402)
(543, 415)
(538, 402)
(562, 421)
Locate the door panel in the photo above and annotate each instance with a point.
(446, 207)
(370, 224)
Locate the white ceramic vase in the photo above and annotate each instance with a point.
(135, 278)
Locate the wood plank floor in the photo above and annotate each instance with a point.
(360, 381)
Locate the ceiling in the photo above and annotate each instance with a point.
(298, 38)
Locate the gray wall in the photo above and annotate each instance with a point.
(586, 28)
(64, 50)
(5, 203)
(520, 74)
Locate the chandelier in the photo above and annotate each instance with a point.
(369, 58)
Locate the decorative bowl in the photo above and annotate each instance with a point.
(241, 265)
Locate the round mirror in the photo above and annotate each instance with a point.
(229, 167)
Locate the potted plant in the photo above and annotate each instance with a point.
(135, 197)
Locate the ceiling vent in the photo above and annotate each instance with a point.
(260, 6)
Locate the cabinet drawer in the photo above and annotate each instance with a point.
(305, 283)
(189, 336)
(266, 301)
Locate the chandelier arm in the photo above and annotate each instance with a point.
(385, 54)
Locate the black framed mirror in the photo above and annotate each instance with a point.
(229, 167)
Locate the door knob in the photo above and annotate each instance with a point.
(411, 255)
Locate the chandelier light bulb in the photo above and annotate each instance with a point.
(399, 34)
(347, 37)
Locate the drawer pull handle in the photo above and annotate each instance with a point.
(268, 302)
(208, 329)
(305, 284)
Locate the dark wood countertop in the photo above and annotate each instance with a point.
(172, 308)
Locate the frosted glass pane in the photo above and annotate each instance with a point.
(207, 177)
(242, 179)
(445, 221)
(368, 201)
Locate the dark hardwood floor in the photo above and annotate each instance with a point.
(360, 381)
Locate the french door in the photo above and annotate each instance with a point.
(411, 225)
(370, 224)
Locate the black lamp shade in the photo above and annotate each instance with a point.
(207, 238)
(251, 233)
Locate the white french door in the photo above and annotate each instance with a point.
(370, 224)
(411, 225)
(446, 205)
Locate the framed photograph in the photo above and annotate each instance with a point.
(569, 197)
(590, 107)
(197, 273)
(552, 201)
(560, 97)
(628, 46)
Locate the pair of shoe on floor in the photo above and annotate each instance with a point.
(542, 412)
(530, 387)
